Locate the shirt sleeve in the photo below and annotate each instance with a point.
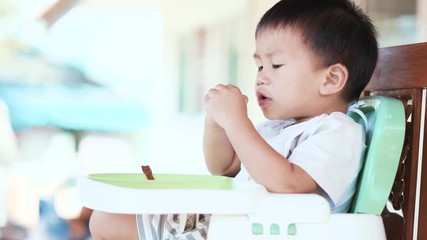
(330, 152)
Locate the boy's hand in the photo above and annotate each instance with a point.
(226, 105)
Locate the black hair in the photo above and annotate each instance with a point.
(335, 31)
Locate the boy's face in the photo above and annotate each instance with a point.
(288, 81)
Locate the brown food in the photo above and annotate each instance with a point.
(147, 171)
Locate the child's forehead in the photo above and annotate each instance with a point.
(280, 37)
(283, 41)
(291, 29)
(280, 34)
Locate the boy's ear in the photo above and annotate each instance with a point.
(335, 79)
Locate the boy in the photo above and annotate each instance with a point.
(314, 57)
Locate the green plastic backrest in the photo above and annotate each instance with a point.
(384, 140)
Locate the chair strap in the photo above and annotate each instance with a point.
(355, 108)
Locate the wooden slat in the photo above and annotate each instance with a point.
(400, 67)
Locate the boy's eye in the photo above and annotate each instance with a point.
(275, 66)
(260, 68)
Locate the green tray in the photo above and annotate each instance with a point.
(164, 181)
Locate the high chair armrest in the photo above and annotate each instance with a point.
(272, 217)
(291, 208)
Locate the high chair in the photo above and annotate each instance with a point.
(243, 210)
(304, 216)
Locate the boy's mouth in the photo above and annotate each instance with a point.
(262, 99)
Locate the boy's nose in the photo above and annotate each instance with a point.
(261, 80)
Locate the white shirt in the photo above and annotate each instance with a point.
(328, 147)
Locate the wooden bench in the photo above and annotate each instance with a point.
(401, 72)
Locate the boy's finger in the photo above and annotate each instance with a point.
(246, 99)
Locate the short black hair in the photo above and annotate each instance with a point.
(335, 31)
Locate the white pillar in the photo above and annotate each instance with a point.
(421, 13)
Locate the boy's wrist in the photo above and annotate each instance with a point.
(209, 121)
(236, 123)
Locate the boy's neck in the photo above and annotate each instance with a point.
(338, 106)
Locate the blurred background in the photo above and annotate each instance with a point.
(91, 86)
